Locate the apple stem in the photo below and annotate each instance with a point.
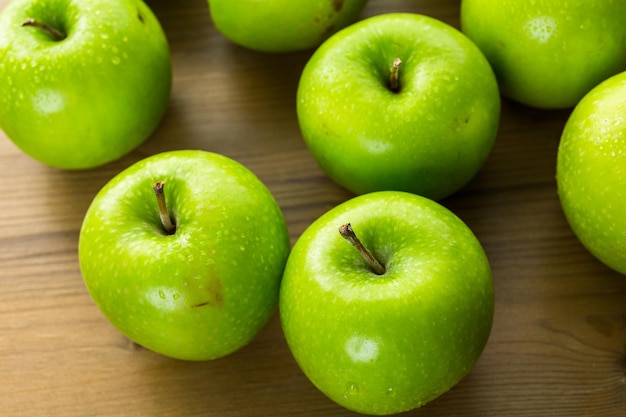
(166, 220)
(348, 234)
(394, 75)
(56, 34)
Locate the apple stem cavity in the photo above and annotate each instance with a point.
(394, 75)
(348, 234)
(56, 34)
(166, 220)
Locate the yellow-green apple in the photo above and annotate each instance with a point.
(548, 54)
(282, 25)
(193, 274)
(82, 83)
(401, 102)
(591, 171)
(391, 330)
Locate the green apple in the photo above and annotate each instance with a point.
(383, 342)
(282, 25)
(400, 102)
(591, 171)
(82, 83)
(193, 274)
(548, 54)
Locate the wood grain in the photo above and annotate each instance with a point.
(558, 345)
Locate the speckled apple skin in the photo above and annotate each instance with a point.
(384, 344)
(282, 25)
(591, 172)
(430, 138)
(88, 99)
(204, 291)
(548, 54)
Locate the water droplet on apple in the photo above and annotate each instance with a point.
(391, 392)
(115, 60)
(162, 294)
(352, 389)
(176, 296)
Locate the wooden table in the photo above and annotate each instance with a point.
(558, 344)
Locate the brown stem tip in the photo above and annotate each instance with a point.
(56, 34)
(394, 75)
(348, 234)
(166, 220)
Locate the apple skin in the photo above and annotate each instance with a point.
(591, 171)
(204, 291)
(548, 54)
(282, 25)
(383, 344)
(88, 99)
(430, 138)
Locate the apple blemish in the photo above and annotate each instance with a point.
(337, 5)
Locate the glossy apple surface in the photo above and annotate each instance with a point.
(282, 25)
(87, 99)
(429, 137)
(383, 344)
(207, 289)
(548, 54)
(591, 171)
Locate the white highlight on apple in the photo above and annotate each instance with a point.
(362, 349)
(48, 101)
(541, 28)
(377, 146)
(164, 298)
